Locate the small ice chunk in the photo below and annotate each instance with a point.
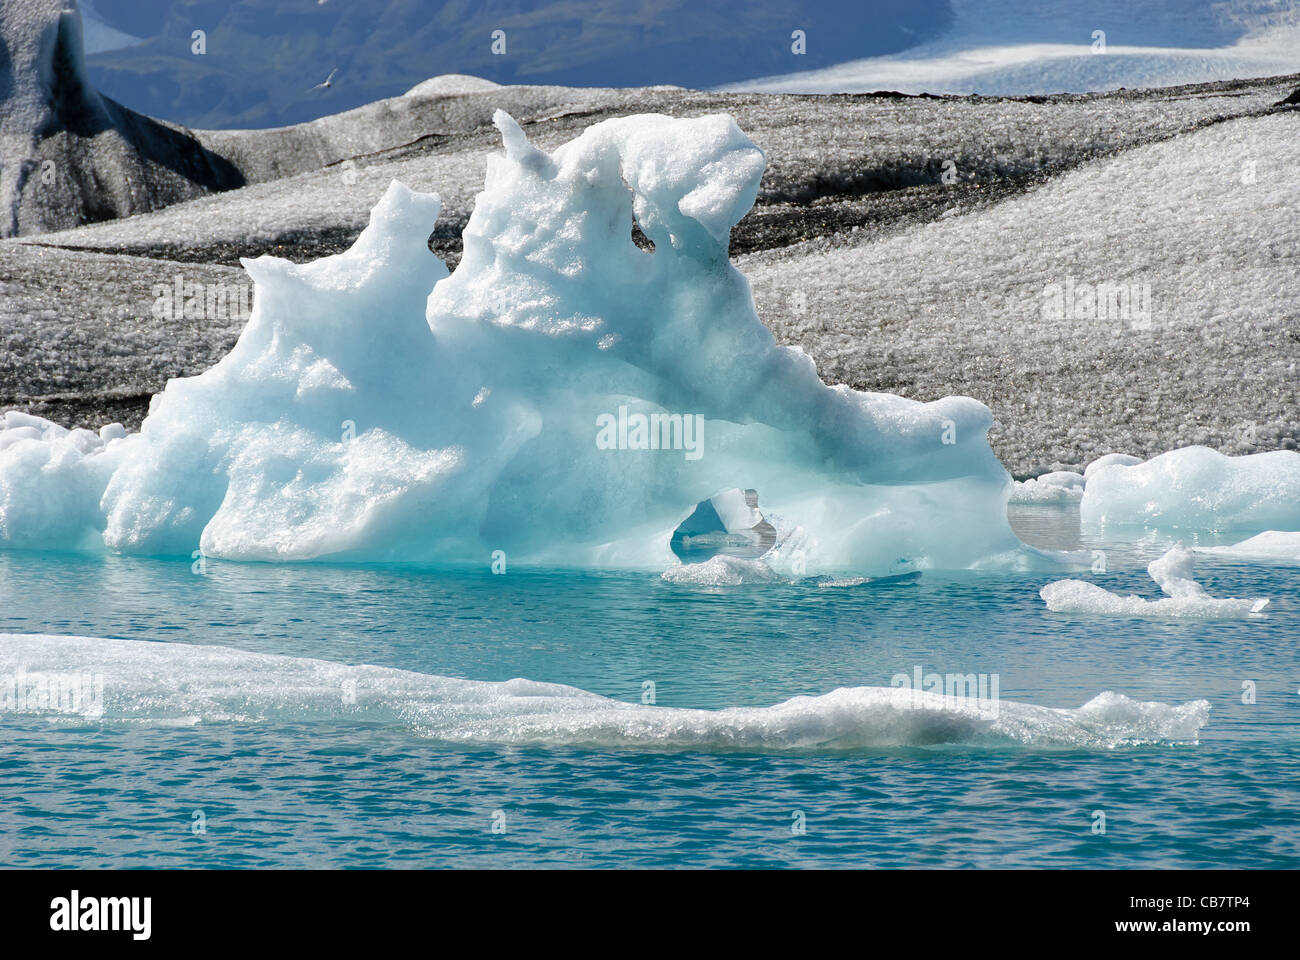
(1060, 486)
(16, 418)
(111, 431)
(1172, 572)
(1110, 460)
(721, 570)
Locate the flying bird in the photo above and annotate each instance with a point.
(327, 82)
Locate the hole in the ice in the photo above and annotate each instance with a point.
(728, 523)
(640, 239)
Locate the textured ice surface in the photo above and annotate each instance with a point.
(51, 479)
(1110, 460)
(350, 422)
(1059, 486)
(1173, 573)
(173, 683)
(1198, 489)
(723, 571)
(1269, 545)
(1011, 47)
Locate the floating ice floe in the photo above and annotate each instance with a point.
(732, 571)
(1066, 486)
(377, 409)
(136, 681)
(1172, 572)
(1197, 489)
(1269, 545)
(1059, 486)
(722, 570)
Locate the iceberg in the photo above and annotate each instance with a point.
(1173, 573)
(1059, 486)
(1110, 460)
(1270, 545)
(143, 682)
(1197, 489)
(1066, 486)
(377, 409)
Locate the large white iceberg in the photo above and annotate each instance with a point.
(536, 401)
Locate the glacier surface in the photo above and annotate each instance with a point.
(1018, 47)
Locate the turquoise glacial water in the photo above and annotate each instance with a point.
(306, 789)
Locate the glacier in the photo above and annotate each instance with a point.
(378, 409)
(1018, 47)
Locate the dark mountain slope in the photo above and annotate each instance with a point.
(69, 156)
